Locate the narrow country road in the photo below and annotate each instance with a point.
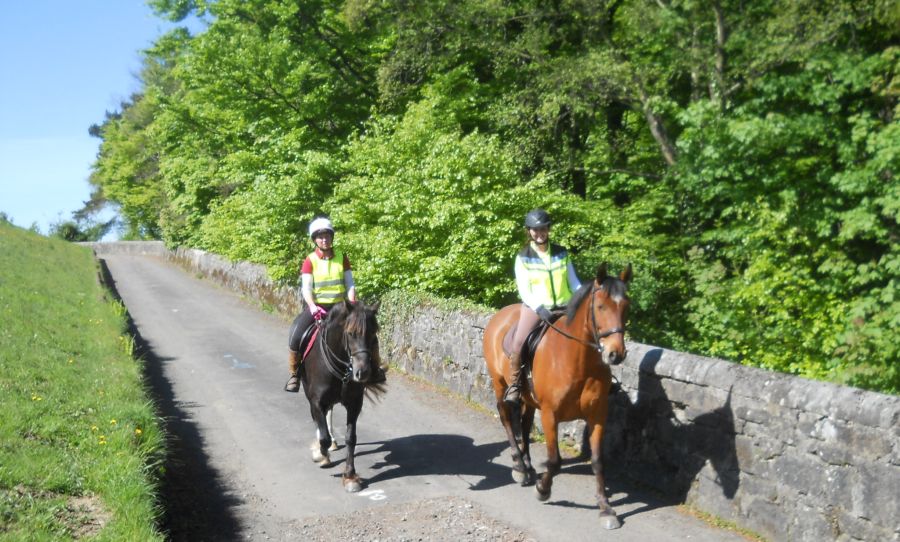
(436, 468)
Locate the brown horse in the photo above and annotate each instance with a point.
(571, 377)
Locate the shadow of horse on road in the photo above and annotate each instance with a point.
(668, 451)
(439, 454)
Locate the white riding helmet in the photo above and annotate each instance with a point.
(320, 224)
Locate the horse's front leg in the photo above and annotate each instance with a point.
(520, 469)
(608, 518)
(330, 418)
(319, 447)
(352, 482)
(545, 483)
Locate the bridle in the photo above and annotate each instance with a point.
(339, 368)
(598, 335)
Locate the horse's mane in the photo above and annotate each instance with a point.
(614, 287)
(359, 321)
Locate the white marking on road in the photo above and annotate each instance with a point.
(238, 364)
(373, 494)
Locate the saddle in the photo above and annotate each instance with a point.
(531, 342)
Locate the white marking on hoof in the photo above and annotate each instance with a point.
(321, 459)
(518, 476)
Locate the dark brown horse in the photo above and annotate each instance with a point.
(338, 368)
(571, 377)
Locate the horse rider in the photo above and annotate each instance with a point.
(326, 279)
(546, 279)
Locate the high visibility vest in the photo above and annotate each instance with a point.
(328, 278)
(549, 281)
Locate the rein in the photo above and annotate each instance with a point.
(598, 335)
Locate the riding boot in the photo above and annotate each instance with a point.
(293, 383)
(513, 392)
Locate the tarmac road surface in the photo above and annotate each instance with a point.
(435, 468)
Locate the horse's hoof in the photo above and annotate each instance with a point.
(525, 478)
(333, 447)
(353, 485)
(609, 521)
(519, 477)
(530, 477)
(541, 494)
(319, 458)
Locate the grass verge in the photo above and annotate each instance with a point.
(80, 446)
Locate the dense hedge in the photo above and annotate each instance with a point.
(741, 156)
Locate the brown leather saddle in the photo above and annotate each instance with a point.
(531, 342)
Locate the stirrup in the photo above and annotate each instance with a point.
(293, 384)
(513, 394)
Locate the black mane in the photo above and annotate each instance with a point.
(358, 321)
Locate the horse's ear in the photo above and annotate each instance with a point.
(626, 274)
(601, 273)
(375, 307)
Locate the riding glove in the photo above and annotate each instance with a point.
(543, 313)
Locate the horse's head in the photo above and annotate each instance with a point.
(609, 307)
(360, 328)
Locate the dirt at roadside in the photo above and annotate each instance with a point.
(444, 519)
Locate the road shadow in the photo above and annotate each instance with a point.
(646, 442)
(196, 504)
(439, 455)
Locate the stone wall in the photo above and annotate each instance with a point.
(250, 280)
(789, 458)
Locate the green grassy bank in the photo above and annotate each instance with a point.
(80, 447)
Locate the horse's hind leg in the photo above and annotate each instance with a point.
(352, 482)
(520, 469)
(527, 424)
(545, 483)
(608, 517)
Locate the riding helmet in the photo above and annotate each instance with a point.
(537, 218)
(320, 224)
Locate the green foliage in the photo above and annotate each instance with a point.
(266, 221)
(741, 155)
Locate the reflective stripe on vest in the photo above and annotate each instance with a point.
(549, 283)
(328, 278)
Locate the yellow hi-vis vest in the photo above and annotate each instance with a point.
(549, 281)
(328, 278)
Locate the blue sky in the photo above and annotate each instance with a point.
(64, 64)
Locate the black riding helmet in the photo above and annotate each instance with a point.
(537, 218)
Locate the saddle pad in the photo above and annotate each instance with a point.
(308, 339)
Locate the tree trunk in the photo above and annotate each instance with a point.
(656, 127)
